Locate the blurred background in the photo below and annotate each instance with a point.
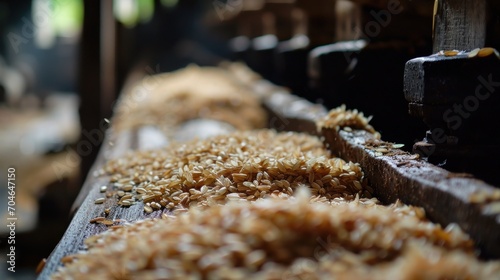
(57, 58)
(63, 63)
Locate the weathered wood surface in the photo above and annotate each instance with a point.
(80, 228)
(443, 195)
(441, 79)
(438, 88)
(459, 24)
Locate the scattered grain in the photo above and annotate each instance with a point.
(485, 52)
(473, 53)
(40, 266)
(97, 219)
(68, 259)
(492, 208)
(106, 222)
(100, 200)
(125, 203)
(148, 209)
(450, 53)
(339, 118)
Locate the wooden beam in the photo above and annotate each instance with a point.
(90, 78)
(108, 58)
(446, 197)
(459, 24)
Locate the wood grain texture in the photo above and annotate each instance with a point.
(459, 25)
(444, 195)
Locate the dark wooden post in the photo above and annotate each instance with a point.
(455, 93)
(459, 24)
(108, 58)
(96, 77)
(89, 80)
(366, 65)
(320, 19)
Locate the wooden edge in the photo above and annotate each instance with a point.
(112, 146)
(80, 227)
(287, 112)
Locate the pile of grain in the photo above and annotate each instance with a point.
(170, 99)
(243, 220)
(339, 118)
(239, 166)
(283, 239)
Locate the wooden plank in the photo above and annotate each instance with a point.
(112, 147)
(445, 196)
(80, 228)
(108, 42)
(115, 145)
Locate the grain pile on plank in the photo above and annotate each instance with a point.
(170, 99)
(283, 239)
(239, 166)
(259, 204)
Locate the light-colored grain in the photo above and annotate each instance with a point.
(473, 53)
(492, 208)
(148, 209)
(125, 202)
(283, 239)
(100, 200)
(339, 118)
(272, 164)
(208, 92)
(127, 188)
